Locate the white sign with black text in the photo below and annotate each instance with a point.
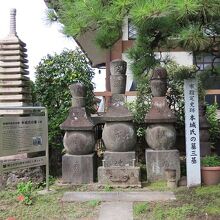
(192, 132)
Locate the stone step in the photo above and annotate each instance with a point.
(13, 64)
(12, 47)
(6, 90)
(13, 76)
(14, 97)
(14, 70)
(12, 53)
(14, 83)
(13, 58)
(118, 196)
(116, 211)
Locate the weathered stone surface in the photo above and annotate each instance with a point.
(118, 84)
(77, 90)
(119, 136)
(78, 169)
(118, 78)
(118, 67)
(14, 90)
(13, 70)
(12, 40)
(77, 120)
(79, 142)
(116, 211)
(12, 52)
(13, 64)
(78, 102)
(182, 181)
(12, 47)
(160, 137)
(159, 112)
(158, 87)
(158, 82)
(13, 58)
(9, 83)
(119, 158)
(157, 161)
(119, 176)
(118, 196)
(13, 77)
(15, 97)
(117, 110)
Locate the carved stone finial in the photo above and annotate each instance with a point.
(158, 82)
(78, 92)
(13, 22)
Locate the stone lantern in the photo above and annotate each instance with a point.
(160, 133)
(119, 135)
(79, 141)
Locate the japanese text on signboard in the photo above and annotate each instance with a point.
(192, 132)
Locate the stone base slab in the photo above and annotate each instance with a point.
(78, 169)
(118, 196)
(157, 161)
(119, 158)
(119, 176)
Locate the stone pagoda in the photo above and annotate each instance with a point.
(160, 133)
(14, 80)
(79, 162)
(119, 135)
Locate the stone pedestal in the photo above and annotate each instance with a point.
(78, 169)
(119, 158)
(119, 135)
(119, 176)
(157, 161)
(78, 166)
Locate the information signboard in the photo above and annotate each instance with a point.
(22, 135)
(192, 132)
(19, 135)
(22, 164)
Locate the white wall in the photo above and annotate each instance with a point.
(182, 58)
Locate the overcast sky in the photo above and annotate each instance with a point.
(33, 29)
(40, 37)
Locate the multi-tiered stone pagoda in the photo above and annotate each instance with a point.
(14, 80)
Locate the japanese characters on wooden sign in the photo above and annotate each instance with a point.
(192, 132)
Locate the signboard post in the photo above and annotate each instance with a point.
(192, 133)
(20, 135)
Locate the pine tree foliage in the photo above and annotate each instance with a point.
(190, 24)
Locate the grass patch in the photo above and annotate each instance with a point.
(193, 203)
(174, 213)
(212, 209)
(108, 188)
(140, 208)
(94, 203)
(48, 207)
(207, 191)
(159, 185)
